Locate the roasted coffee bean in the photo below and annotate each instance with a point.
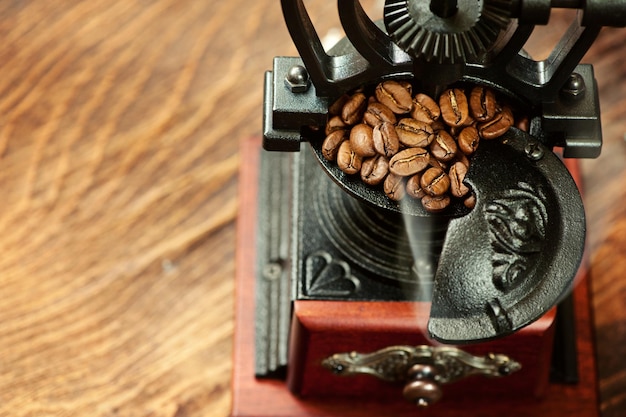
(353, 110)
(435, 204)
(468, 140)
(470, 202)
(409, 161)
(374, 170)
(386, 140)
(414, 133)
(376, 113)
(334, 123)
(424, 154)
(457, 175)
(454, 107)
(362, 140)
(395, 96)
(394, 187)
(414, 188)
(498, 126)
(336, 108)
(443, 147)
(347, 160)
(425, 109)
(435, 181)
(483, 103)
(331, 144)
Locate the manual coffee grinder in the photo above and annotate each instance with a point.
(352, 303)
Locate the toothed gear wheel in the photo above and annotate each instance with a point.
(463, 37)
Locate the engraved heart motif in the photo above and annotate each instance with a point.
(328, 277)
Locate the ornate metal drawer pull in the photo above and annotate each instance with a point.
(423, 368)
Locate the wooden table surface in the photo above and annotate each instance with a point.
(120, 125)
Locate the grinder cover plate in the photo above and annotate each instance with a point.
(515, 255)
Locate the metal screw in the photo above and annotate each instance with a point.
(272, 271)
(575, 87)
(533, 151)
(297, 79)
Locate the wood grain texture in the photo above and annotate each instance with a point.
(120, 124)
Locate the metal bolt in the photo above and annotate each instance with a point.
(575, 87)
(504, 370)
(272, 271)
(338, 369)
(533, 151)
(297, 79)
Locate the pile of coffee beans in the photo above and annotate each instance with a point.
(413, 144)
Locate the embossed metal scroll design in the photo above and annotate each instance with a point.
(517, 228)
(393, 363)
(329, 277)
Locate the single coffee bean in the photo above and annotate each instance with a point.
(331, 144)
(334, 123)
(457, 175)
(394, 187)
(362, 140)
(498, 126)
(414, 133)
(395, 96)
(376, 113)
(454, 107)
(337, 106)
(435, 204)
(414, 188)
(470, 202)
(386, 141)
(435, 181)
(347, 160)
(374, 170)
(409, 161)
(468, 140)
(425, 109)
(483, 103)
(443, 147)
(353, 109)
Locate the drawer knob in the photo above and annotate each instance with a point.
(423, 369)
(422, 388)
